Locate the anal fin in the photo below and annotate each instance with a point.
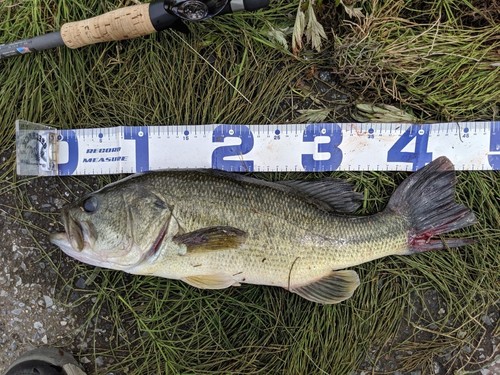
(217, 281)
(333, 288)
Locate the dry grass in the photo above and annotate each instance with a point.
(441, 68)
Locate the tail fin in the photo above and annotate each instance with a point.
(426, 199)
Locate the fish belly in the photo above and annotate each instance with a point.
(289, 258)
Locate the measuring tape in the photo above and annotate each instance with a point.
(44, 150)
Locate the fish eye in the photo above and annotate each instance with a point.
(90, 204)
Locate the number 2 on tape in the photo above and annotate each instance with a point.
(220, 153)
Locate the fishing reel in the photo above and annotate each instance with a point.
(170, 14)
(195, 10)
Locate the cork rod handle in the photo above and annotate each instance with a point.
(119, 24)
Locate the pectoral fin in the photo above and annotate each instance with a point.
(334, 288)
(212, 238)
(218, 281)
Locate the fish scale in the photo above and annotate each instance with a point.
(215, 229)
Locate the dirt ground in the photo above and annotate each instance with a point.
(31, 311)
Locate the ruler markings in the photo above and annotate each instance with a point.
(271, 147)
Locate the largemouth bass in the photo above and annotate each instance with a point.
(214, 229)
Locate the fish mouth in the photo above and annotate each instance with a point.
(77, 235)
(77, 241)
(73, 230)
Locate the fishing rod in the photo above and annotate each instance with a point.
(130, 22)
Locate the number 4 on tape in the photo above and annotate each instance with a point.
(420, 156)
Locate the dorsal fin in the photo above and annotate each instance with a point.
(329, 194)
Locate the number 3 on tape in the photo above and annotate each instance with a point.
(334, 133)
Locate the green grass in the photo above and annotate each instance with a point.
(428, 58)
